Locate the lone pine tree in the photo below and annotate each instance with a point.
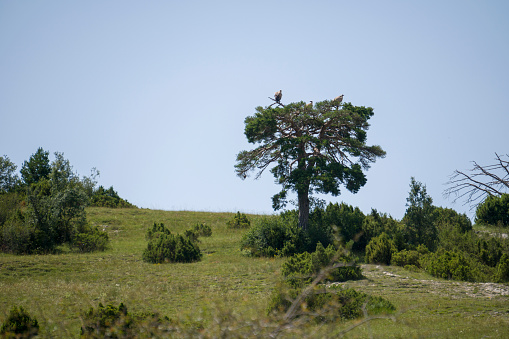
(313, 148)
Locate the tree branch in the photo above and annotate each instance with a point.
(483, 182)
(275, 102)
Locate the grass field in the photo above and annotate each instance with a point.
(57, 289)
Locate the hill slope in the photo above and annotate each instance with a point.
(57, 289)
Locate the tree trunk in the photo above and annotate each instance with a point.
(303, 197)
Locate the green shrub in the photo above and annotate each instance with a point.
(107, 321)
(239, 220)
(274, 235)
(448, 265)
(192, 235)
(17, 237)
(300, 269)
(405, 257)
(420, 218)
(115, 322)
(447, 217)
(108, 198)
(19, 324)
(203, 230)
(502, 273)
(409, 259)
(493, 211)
(163, 246)
(10, 203)
(347, 219)
(330, 304)
(380, 250)
(353, 301)
(489, 250)
(156, 231)
(50, 219)
(377, 223)
(93, 240)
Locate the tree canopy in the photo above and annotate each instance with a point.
(314, 148)
(36, 168)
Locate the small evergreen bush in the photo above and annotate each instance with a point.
(19, 324)
(347, 219)
(448, 265)
(331, 304)
(106, 322)
(380, 250)
(502, 273)
(493, 211)
(192, 235)
(115, 322)
(156, 230)
(163, 246)
(353, 301)
(300, 269)
(93, 240)
(239, 220)
(274, 235)
(203, 230)
(406, 258)
(102, 197)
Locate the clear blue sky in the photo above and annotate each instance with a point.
(154, 93)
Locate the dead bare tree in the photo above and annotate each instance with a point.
(479, 182)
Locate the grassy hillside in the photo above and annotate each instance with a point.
(56, 289)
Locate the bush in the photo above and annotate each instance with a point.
(493, 211)
(17, 237)
(108, 198)
(192, 235)
(502, 273)
(93, 240)
(10, 203)
(19, 324)
(449, 218)
(375, 224)
(352, 303)
(163, 246)
(448, 265)
(115, 322)
(348, 219)
(331, 304)
(156, 230)
(300, 269)
(321, 302)
(47, 222)
(380, 250)
(404, 258)
(239, 220)
(202, 230)
(109, 321)
(274, 235)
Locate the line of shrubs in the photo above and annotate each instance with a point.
(444, 244)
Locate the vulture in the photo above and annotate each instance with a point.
(278, 96)
(338, 99)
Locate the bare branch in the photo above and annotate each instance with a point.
(275, 102)
(481, 182)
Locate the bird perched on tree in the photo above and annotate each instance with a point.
(310, 105)
(278, 96)
(339, 99)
